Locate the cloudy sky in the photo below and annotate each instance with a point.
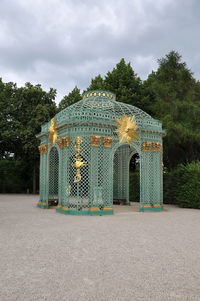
(63, 43)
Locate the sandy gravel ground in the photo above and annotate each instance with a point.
(135, 256)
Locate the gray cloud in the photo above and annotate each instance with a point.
(61, 43)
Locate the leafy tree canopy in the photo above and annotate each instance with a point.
(123, 81)
(174, 98)
(69, 99)
(22, 112)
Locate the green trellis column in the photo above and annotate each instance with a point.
(145, 180)
(150, 179)
(60, 176)
(45, 166)
(117, 176)
(41, 178)
(107, 170)
(43, 203)
(120, 173)
(156, 178)
(47, 175)
(161, 175)
(65, 175)
(93, 173)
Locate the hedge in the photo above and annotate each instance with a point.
(182, 185)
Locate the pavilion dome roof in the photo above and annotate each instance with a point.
(100, 107)
(104, 102)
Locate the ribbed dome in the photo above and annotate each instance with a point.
(104, 102)
(100, 109)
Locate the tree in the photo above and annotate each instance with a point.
(123, 81)
(9, 125)
(38, 107)
(69, 99)
(97, 83)
(174, 98)
(22, 112)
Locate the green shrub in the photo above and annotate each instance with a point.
(170, 186)
(182, 185)
(189, 186)
(13, 177)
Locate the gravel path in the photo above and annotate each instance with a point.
(129, 256)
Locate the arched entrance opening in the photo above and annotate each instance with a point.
(126, 174)
(134, 177)
(53, 177)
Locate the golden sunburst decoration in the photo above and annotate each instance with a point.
(53, 133)
(127, 129)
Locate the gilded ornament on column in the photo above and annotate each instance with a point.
(78, 159)
(95, 140)
(127, 129)
(146, 146)
(53, 133)
(162, 163)
(42, 148)
(64, 142)
(156, 146)
(60, 143)
(107, 141)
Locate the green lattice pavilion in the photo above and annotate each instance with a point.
(85, 152)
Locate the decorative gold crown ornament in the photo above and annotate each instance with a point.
(95, 140)
(42, 149)
(127, 129)
(107, 141)
(64, 142)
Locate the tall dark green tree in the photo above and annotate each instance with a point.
(69, 99)
(97, 83)
(38, 107)
(22, 112)
(174, 98)
(9, 124)
(123, 81)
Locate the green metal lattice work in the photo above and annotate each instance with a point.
(105, 162)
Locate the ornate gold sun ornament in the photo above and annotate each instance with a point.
(53, 133)
(127, 129)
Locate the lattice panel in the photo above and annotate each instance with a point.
(107, 178)
(121, 173)
(53, 174)
(65, 189)
(157, 180)
(145, 179)
(100, 165)
(42, 178)
(78, 193)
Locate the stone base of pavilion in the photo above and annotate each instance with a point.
(89, 211)
(153, 207)
(99, 211)
(42, 205)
